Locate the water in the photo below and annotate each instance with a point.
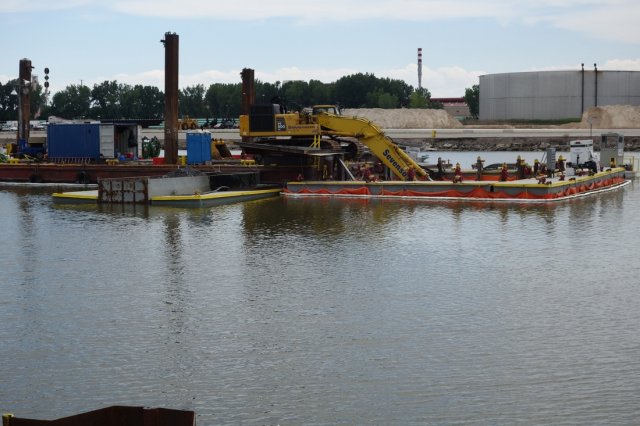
(324, 311)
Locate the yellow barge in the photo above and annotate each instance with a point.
(187, 191)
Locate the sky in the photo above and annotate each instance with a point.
(90, 41)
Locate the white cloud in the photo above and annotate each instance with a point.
(441, 82)
(208, 77)
(574, 15)
(324, 75)
(146, 78)
(335, 10)
(621, 65)
(619, 24)
(603, 19)
(20, 6)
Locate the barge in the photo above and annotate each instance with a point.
(519, 190)
(207, 199)
(177, 191)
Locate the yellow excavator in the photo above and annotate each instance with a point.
(323, 127)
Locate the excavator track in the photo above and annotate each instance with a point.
(352, 147)
(330, 144)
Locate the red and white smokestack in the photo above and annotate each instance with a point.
(419, 67)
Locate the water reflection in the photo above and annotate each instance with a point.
(269, 312)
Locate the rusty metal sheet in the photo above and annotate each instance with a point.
(124, 190)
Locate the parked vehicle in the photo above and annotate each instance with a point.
(9, 127)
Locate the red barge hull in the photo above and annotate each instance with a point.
(90, 173)
(525, 190)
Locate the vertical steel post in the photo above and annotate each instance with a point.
(24, 99)
(248, 90)
(582, 107)
(248, 93)
(595, 67)
(171, 42)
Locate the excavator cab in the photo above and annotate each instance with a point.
(331, 109)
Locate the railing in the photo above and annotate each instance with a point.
(70, 160)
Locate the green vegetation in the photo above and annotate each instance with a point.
(472, 98)
(113, 100)
(9, 102)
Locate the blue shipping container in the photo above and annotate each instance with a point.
(198, 148)
(73, 140)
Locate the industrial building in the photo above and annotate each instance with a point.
(457, 107)
(553, 95)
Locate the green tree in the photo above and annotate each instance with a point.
(142, 102)
(107, 100)
(435, 104)
(398, 88)
(264, 92)
(295, 94)
(72, 102)
(472, 98)
(352, 90)
(223, 100)
(387, 100)
(381, 99)
(365, 91)
(191, 101)
(420, 98)
(320, 93)
(8, 102)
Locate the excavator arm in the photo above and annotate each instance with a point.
(374, 138)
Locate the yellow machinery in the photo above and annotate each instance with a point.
(187, 123)
(323, 127)
(219, 150)
(374, 138)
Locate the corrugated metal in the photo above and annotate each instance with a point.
(107, 141)
(198, 148)
(547, 95)
(73, 141)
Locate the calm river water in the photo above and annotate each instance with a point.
(323, 312)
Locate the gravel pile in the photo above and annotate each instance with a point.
(610, 117)
(403, 118)
(605, 117)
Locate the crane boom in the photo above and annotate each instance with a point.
(374, 138)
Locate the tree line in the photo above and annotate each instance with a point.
(113, 100)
